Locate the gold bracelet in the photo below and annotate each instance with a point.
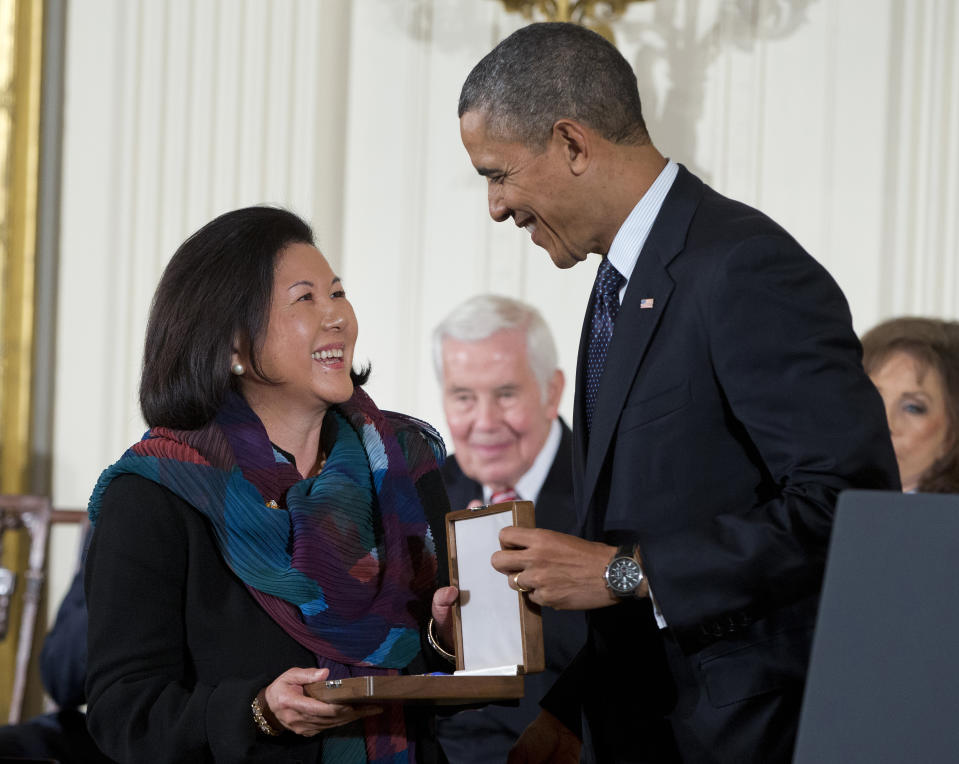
(431, 638)
(262, 724)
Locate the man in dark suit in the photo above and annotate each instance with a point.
(496, 362)
(720, 408)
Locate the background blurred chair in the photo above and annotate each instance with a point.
(32, 514)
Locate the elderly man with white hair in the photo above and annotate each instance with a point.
(496, 362)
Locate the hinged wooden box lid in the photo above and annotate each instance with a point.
(498, 631)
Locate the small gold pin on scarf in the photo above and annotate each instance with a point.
(272, 504)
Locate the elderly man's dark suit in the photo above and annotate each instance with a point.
(732, 410)
(486, 734)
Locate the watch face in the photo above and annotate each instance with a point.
(623, 575)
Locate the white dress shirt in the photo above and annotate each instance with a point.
(528, 486)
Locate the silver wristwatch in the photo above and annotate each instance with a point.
(623, 574)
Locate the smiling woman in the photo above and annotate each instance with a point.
(914, 363)
(303, 364)
(272, 529)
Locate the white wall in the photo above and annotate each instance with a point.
(175, 111)
(838, 117)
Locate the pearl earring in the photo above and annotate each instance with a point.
(239, 369)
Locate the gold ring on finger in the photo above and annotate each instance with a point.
(517, 585)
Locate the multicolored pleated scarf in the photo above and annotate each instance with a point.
(348, 561)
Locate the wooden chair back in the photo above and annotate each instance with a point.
(31, 513)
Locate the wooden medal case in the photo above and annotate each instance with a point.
(498, 631)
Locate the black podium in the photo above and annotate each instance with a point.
(883, 680)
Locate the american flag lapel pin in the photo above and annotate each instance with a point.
(646, 303)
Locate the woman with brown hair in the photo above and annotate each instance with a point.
(914, 362)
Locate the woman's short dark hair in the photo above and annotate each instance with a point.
(216, 290)
(933, 344)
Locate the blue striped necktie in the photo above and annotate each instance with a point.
(605, 307)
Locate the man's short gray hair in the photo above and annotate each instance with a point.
(482, 316)
(546, 72)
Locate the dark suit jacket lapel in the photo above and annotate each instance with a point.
(634, 330)
(460, 489)
(579, 412)
(554, 505)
